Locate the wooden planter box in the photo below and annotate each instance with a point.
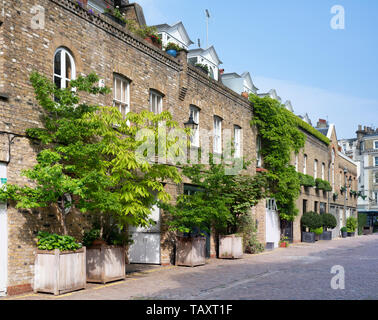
(308, 237)
(190, 251)
(106, 263)
(60, 272)
(230, 247)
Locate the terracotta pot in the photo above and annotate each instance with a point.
(245, 94)
(99, 242)
(283, 245)
(149, 40)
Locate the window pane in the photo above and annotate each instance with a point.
(68, 67)
(123, 93)
(57, 63)
(118, 89)
(58, 82)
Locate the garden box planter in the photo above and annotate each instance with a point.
(190, 251)
(115, 19)
(308, 237)
(60, 272)
(230, 247)
(351, 234)
(326, 235)
(106, 263)
(344, 234)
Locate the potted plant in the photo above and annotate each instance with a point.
(172, 49)
(310, 221)
(329, 222)
(106, 253)
(115, 15)
(59, 264)
(318, 232)
(335, 196)
(203, 67)
(150, 35)
(322, 185)
(284, 242)
(306, 180)
(351, 225)
(343, 189)
(344, 232)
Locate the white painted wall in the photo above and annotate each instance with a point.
(3, 238)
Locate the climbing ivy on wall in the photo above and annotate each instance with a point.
(280, 137)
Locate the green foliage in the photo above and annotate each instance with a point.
(311, 220)
(306, 180)
(280, 137)
(90, 236)
(323, 185)
(247, 228)
(344, 229)
(173, 46)
(351, 224)
(47, 241)
(362, 222)
(221, 201)
(116, 13)
(204, 67)
(310, 129)
(317, 231)
(329, 221)
(147, 32)
(91, 153)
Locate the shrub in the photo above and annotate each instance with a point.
(344, 229)
(351, 224)
(90, 236)
(323, 185)
(173, 46)
(47, 241)
(306, 180)
(317, 231)
(362, 222)
(329, 221)
(311, 220)
(204, 67)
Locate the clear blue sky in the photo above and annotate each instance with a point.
(291, 47)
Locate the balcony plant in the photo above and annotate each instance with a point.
(310, 222)
(172, 49)
(203, 67)
(149, 34)
(351, 225)
(306, 180)
(343, 189)
(335, 196)
(322, 185)
(115, 15)
(59, 264)
(329, 222)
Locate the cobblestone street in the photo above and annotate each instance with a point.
(302, 271)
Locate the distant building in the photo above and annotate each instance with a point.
(272, 94)
(208, 57)
(239, 83)
(176, 34)
(364, 150)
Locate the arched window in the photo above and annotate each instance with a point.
(64, 68)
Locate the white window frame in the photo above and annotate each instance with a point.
(305, 164)
(375, 144)
(315, 169)
(121, 101)
(63, 72)
(158, 99)
(323, 171)
(195, 138)
(376, 177)
(375, 164)
(217, 143)
(237, 141)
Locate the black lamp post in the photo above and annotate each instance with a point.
(191, 124)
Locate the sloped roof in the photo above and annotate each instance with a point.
(178, 25)
(202, 52)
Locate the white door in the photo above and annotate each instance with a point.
(146, 246)
(3, 236)
(272, 224)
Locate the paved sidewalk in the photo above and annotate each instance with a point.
(302, 271)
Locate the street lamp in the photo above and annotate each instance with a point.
(191, 124)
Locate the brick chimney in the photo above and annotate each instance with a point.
(322, 124)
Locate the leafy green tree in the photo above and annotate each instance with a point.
(280, 137)
(91, 153)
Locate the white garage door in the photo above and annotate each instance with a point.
(273, 229)
(146, 246)
(3, 236)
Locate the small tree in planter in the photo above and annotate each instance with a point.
(351, 225)
(344, 232)
(310, 221)
(329, 222)
(59, 264)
